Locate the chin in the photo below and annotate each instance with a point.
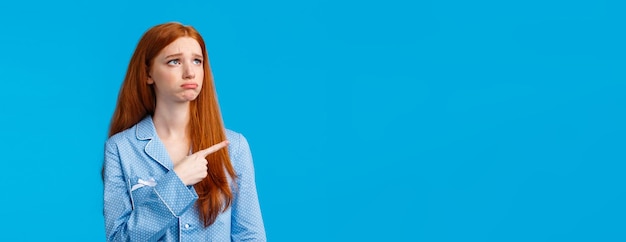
(189, 96)
(190, 99)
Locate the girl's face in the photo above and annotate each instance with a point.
(177, 71)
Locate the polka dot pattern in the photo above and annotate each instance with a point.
(144, 200)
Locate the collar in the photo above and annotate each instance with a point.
(145, 130)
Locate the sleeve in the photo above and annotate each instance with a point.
(246, 221)
(150, 211)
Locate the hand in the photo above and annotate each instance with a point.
(193, 168)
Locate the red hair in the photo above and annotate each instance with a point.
(137, 99)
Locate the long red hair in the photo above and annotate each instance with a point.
(137, 99)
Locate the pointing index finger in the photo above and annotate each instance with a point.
(212, 149)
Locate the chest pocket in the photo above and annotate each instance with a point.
(141, 190)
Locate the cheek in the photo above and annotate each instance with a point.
(200, 75)
(199, 72)
(166, 77)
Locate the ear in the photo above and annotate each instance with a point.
(150, 81)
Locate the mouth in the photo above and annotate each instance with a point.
(189, 86)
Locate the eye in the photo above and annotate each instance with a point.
(173, 62)
(197, 61)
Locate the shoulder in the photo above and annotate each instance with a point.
(237, 142)
(141, 131)
(126, 137)
(239, 150)
(234, 137)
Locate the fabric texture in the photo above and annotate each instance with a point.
(144, 199)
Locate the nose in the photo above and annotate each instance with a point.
(188, 72)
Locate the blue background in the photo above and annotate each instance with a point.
(368, 120)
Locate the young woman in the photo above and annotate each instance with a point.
(172, 172)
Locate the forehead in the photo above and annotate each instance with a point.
(182, 45)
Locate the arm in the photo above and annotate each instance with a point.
(149, 212)
(246, 222)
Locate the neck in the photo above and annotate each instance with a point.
(171, 120)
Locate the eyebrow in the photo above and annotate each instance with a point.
(180, 54)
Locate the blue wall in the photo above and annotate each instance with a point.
(368, 120)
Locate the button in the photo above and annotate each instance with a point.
(186, 226)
